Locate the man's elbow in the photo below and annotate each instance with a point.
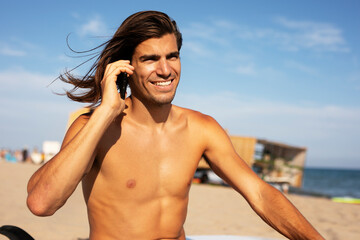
(38, 207)
(264, 195)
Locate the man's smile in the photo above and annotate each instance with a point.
(162, 83)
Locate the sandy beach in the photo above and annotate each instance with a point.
(214, 210)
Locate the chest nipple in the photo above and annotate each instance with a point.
(131, 183)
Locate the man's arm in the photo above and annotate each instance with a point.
(51, 185)
(269, 203)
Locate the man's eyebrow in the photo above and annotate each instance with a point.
(156, 56)
(173, 54)
(149, 57)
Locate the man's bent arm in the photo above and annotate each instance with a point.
(271, 205)
(276, 210)
(55, 181)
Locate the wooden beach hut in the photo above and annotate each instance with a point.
(277, 163)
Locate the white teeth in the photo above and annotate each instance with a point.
(163, 83)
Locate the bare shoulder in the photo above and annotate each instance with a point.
(192, 115)
(198, 121)
(75, 127)
(205, 130)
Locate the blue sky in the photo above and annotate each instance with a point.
(287, 71)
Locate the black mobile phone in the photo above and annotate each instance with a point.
(121, 83)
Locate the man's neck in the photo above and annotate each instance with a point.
(148, 113)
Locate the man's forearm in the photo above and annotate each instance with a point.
(55, 181)
(277, 211)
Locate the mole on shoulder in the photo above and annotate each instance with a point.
(131, 183)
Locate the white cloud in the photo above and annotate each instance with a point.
(10, 51)
(22, 84)
(197, 49)
(287, 34)
(246, 107)
(15, 78)
(328, 131)
(75, 15)
(248, 70)
(64, 58)
(24, 44)
(94, 26)
(31, 113)
(301, 67)
(209, 31)
(225, 24)
(31, 121)
(312, 35)
(17, 47)
(265, 74)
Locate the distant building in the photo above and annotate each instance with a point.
(276, 163)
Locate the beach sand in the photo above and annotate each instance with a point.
(214, 210)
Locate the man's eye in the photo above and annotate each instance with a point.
(149, 58)
(174, 57)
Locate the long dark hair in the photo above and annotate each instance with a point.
(133, 31)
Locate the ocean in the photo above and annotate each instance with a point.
(332, 182)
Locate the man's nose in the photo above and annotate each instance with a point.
(163, 69)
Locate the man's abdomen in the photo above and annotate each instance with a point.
(161, 218)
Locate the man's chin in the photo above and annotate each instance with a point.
(163, 100)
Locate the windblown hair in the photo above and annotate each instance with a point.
(134, 30)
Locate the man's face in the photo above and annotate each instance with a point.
(157, 70)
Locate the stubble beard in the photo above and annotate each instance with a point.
(154, 100)
(162, 100)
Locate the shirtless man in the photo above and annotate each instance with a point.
(136, 157)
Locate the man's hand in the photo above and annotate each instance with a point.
(110, 96)
(46, 194)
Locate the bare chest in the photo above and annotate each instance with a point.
(146, 165)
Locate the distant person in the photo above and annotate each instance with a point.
(2, 154)
(36, 156)
(19, 156)
(10, 157)
(25, 155)
(136, 157)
